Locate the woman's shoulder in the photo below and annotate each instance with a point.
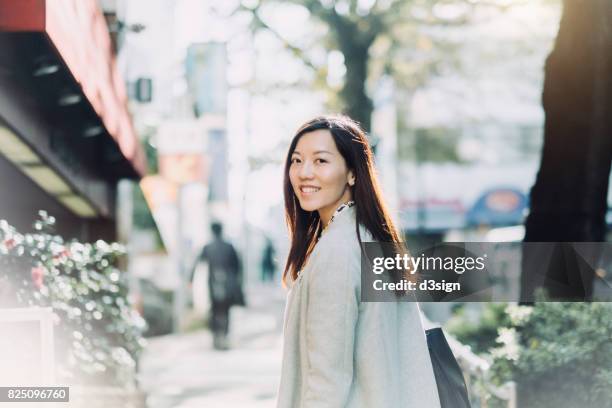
(345, 235)
(335, 264)
(340, 249)
(340, 238)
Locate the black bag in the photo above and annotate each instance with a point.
(449, 378)
(237, 295)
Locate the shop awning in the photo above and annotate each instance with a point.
(71, 36)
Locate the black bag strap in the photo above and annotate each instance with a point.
(449, 378)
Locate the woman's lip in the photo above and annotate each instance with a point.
(315, 189)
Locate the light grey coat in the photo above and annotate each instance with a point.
(339, 352)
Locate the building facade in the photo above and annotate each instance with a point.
(66, 136)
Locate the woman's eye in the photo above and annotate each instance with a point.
(320, 161)
(295, 160)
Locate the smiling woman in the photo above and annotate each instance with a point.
(338, 351)
(319, 175)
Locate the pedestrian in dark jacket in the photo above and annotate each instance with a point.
(224, 283)
(268, 263)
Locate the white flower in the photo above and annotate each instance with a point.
(508, 338)
(121, 356)
(102, 246)
(518, 314)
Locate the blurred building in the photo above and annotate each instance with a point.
(469, 138)
(66, 136)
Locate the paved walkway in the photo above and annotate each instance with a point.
(185, 371)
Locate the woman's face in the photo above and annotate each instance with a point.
(319, 175)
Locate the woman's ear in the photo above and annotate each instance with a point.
(351, 178)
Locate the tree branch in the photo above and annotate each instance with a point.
(296, 51)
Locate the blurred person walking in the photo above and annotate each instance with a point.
(268, 263)
(224, 284)
(339, 351)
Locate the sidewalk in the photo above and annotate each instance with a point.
(185, 371)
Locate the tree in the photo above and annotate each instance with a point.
(569, 198)
(386, 29)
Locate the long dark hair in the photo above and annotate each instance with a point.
(371, 212)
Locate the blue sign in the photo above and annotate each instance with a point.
(498, 207)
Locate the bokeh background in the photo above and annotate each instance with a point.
(128, 126)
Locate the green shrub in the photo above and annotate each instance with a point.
(479, 333)
(560, 354)
(98, 333)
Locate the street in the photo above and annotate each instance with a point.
(183, 370)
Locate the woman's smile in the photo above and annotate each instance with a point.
(309, 190)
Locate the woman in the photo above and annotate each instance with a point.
(339, 352)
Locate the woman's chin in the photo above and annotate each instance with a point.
(306, 206)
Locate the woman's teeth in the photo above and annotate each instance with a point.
(309, 189)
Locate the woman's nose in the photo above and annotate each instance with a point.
(306, 170)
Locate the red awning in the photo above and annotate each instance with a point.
(78, 32)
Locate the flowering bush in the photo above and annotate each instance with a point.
(477, 331)
(560, 354)
(99, 335)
